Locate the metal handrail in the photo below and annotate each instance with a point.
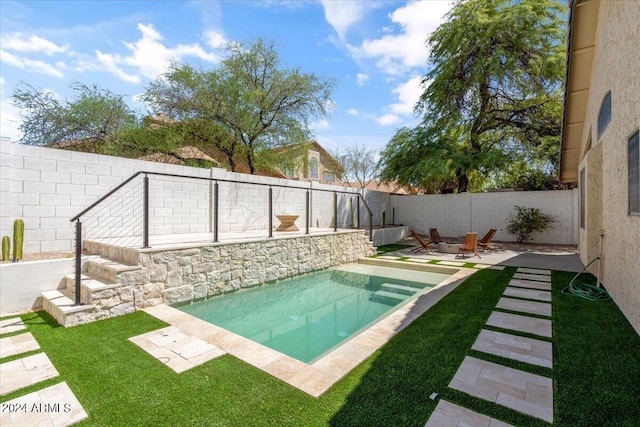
(76, 218)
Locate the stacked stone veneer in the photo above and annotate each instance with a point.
(182, 275)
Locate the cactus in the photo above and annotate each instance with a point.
(18, 236)
(6, 243)
(384, 218)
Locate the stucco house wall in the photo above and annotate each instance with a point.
(615, 68)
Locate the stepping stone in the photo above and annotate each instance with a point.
(11, 325)
(452, 263)
(516, 322)
(531, 307)
(521, 391)
(388, 257)
(534, 271)
(176, 349)
(449, 414)
(523, 349)
(520, 283)
(496, 267)
(419, 260)
(17, 344)
(528, 293)
(539, 277)
(24, 372)
(53, 406)
(483, 266)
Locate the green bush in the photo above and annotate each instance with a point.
(526, 221)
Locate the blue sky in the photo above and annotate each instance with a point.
(375, 49)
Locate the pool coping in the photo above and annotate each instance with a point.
(317, 377)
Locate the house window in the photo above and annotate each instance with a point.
(329, 177)
(634, 175)
(604, 117)
(313, 168)
(582, 185)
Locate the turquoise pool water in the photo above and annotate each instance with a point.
(307, 316)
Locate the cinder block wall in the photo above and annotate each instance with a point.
(456, 214)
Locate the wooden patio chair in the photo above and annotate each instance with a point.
(484, 242)
(424, 246)
(470, 244)
(435, 236)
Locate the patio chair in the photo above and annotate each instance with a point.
(470, 244)
(423, 246)
(435, 236)
(484, 242)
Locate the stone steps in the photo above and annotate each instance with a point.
(401, 289)
(108, 270)
(60, 305)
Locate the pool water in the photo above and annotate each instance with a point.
(307, 316)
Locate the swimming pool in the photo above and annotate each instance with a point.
(307, 316)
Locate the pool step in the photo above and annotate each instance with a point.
(401, 289)
(392, 296)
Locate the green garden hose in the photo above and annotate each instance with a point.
(586, 290)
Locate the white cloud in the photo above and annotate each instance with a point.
(322, 124)
(388, 119)
(215, 39)
(408, 94)
(30, 65)
(19, 42)
(353, 112)
(150, 57)
(9, 120)
(342, 14)
(361, 78)
(396, 53)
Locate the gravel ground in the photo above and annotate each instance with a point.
(44, 255)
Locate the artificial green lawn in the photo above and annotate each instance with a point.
(596, 371)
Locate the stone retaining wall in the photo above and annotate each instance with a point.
(181, 275)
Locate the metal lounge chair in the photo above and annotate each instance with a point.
(484, 242)
(424, 246)
(470, 244)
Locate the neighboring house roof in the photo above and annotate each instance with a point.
(581, 44)
(385, 187)
(337, 165)
(191, 152)
(162, 158)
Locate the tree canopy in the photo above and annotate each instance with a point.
(360, 163)
(246, 107)
(92, 113)
(492, 96)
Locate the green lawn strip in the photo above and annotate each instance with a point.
(394, 390)
(596, 361)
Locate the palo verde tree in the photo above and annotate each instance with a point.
(492, 95)
(91, 114)
(246, 107)
(360, 163)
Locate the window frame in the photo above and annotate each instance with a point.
(604, 114)
(314, 166)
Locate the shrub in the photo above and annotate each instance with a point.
(526, 221)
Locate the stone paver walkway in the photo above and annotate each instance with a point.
(54, 406)
(176, 349)
(521, 391)
(16, 344)
(524, 392)
(24, 372)
(531, 307)
(448, 414)
(528, 350)
(8, 326)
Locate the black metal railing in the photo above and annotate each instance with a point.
(145, 219)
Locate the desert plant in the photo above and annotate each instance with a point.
(5, 248)
(526, 221)
(18, 236)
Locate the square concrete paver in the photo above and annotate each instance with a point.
(538, 277)
(11, 325)
(534, 271)
(523, 349)
(54, 406)
(10, 346)
(176, 349)
(515, 322)
(496, 267)
(24, 372)
(420, 260)
(481, 266)
(452, 263)
(531, 307)
(530, 284)
(534, 294)
(524, 392)
(448, 414)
